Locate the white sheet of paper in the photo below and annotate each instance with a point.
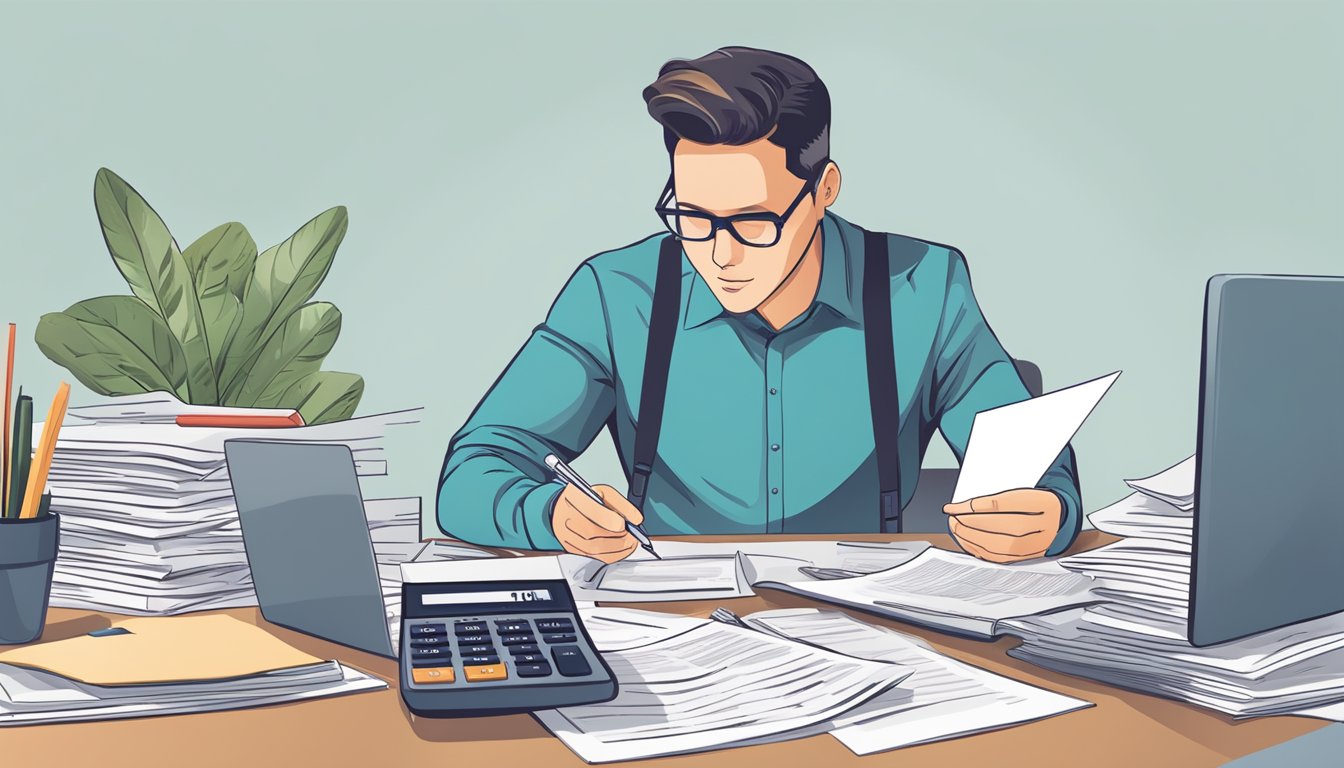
(943, 699)
(716, 573)
(1014, 445)
(1174, 485)
(1328, 712)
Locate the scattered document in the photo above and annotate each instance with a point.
(955, 592)
(943, 698)
(694, 685)
(702, 571)
(138, 667)
(1014, 445)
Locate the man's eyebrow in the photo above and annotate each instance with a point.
(730, 211)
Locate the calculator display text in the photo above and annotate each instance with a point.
(473, 598)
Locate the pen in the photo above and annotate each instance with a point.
(567, 474)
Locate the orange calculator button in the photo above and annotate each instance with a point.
(486, 672)
(431, 675)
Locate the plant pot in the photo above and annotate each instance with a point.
(27, 559)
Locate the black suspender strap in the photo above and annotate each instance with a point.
(881, 362)
(657, 362)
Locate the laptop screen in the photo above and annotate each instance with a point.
(1268, 525)
(307, 540)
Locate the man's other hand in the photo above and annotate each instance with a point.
(1013, 525)
(594, 530)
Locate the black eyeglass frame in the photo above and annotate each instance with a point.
(726, 222)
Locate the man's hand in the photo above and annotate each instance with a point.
(1013, 525)
(594, 530)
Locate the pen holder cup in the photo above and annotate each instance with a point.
(27, 559)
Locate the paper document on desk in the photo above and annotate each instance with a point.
(1013, 446)
(154, 650)
(1174, 485)
(160, 666)
(688, 685)
(955, 592)
(943, 698)
(717, 573)
(702, 571)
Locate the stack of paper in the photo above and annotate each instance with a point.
(394, 527)
(148, 522)
(1137, 638)
(137, 668)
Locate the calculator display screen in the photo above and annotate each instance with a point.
(474, 598)
(421, 600)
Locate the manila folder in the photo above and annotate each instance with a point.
(163, 649)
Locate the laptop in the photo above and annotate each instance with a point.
(1268, 525)
(307, 541)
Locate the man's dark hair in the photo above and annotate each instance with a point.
(738, 95)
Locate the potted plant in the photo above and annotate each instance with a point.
(215, 324)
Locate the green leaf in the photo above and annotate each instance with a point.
(291, 353)
(115, 345)
(221, 263)
(285, 277)
(148, 258)
(321, 397)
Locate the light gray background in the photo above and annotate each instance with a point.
(1097, 162)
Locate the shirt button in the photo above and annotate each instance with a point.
(774, 447)
(774, 391)
(774, 491)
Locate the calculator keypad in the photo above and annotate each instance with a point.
(435, 676)
(569, 661)
(477, 674)
(534, 670)
(537, 648)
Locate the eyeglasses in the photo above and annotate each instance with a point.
(756, 229)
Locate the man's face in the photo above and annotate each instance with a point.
(725, 180)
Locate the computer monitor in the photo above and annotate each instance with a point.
(1268, 523)
(307, 541)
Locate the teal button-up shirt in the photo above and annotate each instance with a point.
(763, 431)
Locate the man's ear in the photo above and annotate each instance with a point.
(828, 189)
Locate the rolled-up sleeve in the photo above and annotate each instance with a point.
(974, 373)
(554, 397)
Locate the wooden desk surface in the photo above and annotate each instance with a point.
(375, 729)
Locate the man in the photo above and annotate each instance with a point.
(779, 406)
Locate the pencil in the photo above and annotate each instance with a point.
(46, 448)
(7, 471)
(21, 456)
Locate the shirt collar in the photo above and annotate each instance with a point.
(836, 288)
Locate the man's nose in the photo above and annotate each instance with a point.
(727, 250)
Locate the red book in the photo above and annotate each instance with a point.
(241, 421)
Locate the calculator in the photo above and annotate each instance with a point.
(491, 637)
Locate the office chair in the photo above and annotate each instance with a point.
(924, 513)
